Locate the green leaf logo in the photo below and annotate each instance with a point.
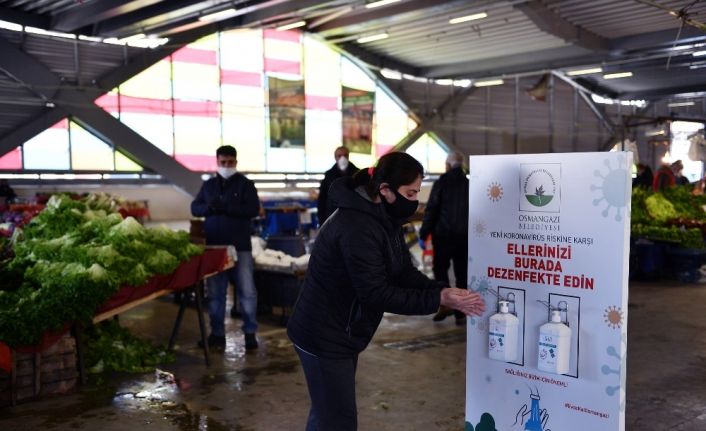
(539, 199)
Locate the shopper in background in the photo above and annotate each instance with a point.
(360, 268)
(644, 176)
(446, 219)
(678, 169)
(7, 195)
(342, 168)
(229, 201)
(664, 178)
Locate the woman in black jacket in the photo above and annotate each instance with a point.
(360, 268)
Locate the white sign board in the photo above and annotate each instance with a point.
(549, 234)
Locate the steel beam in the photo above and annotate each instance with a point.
(80, 106)
(565, 56)
(362, 16)
(617, 134)
(94, 12)
(141, 19)
(555, 25)
(659, 93)
(428, 123)
(106, 127)
(584, 94)
(167, 21)
(29, 130)
(410, 139)
(23, 18)
(607, 124)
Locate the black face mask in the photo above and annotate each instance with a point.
(402, 208)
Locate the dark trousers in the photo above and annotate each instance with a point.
(447, 249)
(331, 385)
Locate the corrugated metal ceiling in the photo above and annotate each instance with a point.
(430, 39)
(51, 7)
(613, 19)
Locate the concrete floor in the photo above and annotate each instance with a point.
(411, 376)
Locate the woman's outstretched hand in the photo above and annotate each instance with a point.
(468, 302)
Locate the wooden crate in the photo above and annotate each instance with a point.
(36, 375)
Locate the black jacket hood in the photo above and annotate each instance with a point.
(345, 194)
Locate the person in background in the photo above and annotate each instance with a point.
(6, 192)
(229, 201)
(678, 168)
(342, 168)
(360, 268)
(664, 178)
(644, 176)
(446, 219)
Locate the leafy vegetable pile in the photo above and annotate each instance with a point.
(74, 255)
(110, 347)
(673, 215)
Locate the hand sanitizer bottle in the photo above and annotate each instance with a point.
(554, 345)
(502, 335)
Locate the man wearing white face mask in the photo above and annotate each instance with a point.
(229, 201)
(342, 168)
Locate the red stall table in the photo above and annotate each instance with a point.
(189, 276)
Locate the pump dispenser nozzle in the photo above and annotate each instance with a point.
(556, 316)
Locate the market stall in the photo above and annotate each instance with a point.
(79, 261)
(667, 233)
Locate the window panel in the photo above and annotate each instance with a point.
(429, 153)
(196, 141)
(207, 43)
(323, 136)
(322, 75)
(362, 160)
(391, 123)
(12, 159)
(283, 52)
(49, 149)
(109, 102)
(238, 95)
(244, 128)
(285, 160)
(352, 76)
(242, 50)
(153, 83)
(155, 128)
(196, 81)
(89, 152)
(123, 163)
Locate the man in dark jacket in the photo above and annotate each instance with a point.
(446, 219)
(229, 201)
(342, 168)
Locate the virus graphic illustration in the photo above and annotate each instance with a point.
(613, 317)
(612, 189)
(615, 370)
(479, 229)
(495, 191)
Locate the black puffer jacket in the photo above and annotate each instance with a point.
(238, 198)
(447, 208)
(359, 269)
(324, 209)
